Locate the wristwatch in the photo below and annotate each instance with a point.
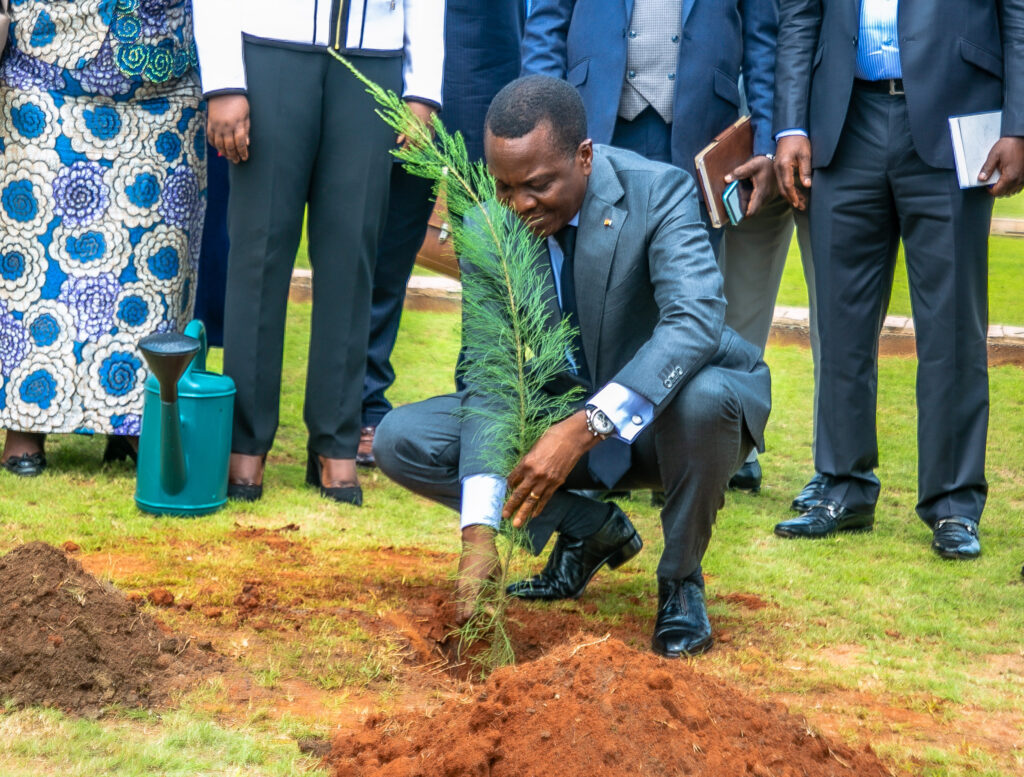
(598, 424)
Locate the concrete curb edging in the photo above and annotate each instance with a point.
(790, 325)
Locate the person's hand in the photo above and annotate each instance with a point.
(760, 172)
(227, 125)
(546, 466)
(793, 169)
(477, 564)
(1006, 156)
(423, 112)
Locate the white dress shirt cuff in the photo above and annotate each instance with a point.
(629, 411)
(482, 500)
(787, 133)
(218, 35)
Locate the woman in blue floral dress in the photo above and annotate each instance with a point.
(102, 192)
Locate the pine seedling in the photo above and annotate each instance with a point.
(510, 350)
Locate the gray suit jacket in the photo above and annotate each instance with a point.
(648, 289)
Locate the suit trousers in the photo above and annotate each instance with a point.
(876, 191)
(690, 451)
(316, 148)
(409, 206)
(752, 257)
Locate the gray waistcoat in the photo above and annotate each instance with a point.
(652, 55)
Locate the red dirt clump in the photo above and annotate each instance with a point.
(70, 641)
(599, 709)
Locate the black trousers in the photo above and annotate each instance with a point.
(876, 191)
(315, 143)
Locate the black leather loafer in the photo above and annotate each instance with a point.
(956, 537)
(825, 518)
(682, 627)
(812, 493)
(574, 561)
(747, 477)
(28, 465)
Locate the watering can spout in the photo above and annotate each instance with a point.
(168, 355)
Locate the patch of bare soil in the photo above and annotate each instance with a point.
(70, 641)
(598, 709)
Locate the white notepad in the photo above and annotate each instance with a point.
(973, 137)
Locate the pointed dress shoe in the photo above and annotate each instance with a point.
(682, 627)
(812, 493)
(825, 518)
(956, 537)
(747, 477)
(364, 454)
(352, 495)
(28, 465)
(574, 561)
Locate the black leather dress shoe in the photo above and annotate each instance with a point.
(825, 518)
(956, 537)
(28, 465)
(364, 453)
(747, 477)
(812, 493)
(682, 627)
(573, 561)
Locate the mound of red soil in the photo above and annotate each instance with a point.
(598, 710)
(70, 641)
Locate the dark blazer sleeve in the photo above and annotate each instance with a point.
(544, 40)
(687, 290)
(799, 28)
(1012, 26)
(760, 29)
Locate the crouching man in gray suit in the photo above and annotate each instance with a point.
(675, 400)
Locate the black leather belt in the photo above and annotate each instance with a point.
(886, 85)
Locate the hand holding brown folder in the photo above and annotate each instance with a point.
(731, 148)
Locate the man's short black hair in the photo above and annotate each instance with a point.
(526, 102)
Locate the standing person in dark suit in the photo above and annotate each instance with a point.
(675, 398)
(660, 77)
(481, 56)
(863, 96)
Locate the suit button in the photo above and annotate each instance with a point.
(632, 33)
(632, 74)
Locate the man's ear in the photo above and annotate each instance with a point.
(585, 156)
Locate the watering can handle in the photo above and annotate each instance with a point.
(197, 330)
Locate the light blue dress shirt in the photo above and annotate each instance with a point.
(484, 495)
(878, 48)
(878, 45)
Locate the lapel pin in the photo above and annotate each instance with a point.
(607, 222)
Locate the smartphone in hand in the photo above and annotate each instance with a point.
(736, 197)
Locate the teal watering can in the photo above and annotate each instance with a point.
(186, 427)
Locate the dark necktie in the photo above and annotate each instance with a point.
(609, 460)
(566, 238)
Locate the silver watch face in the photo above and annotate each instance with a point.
(599, 422)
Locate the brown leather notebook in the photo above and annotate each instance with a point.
(732, 147)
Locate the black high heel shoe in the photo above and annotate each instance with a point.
(352, 495)
(247, 492)
(119, 449)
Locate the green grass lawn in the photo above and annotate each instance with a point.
(861, 633)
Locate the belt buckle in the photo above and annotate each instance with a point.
(892, 87)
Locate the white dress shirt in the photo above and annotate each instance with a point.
(411, 29)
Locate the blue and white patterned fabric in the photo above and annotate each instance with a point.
(102, 193)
